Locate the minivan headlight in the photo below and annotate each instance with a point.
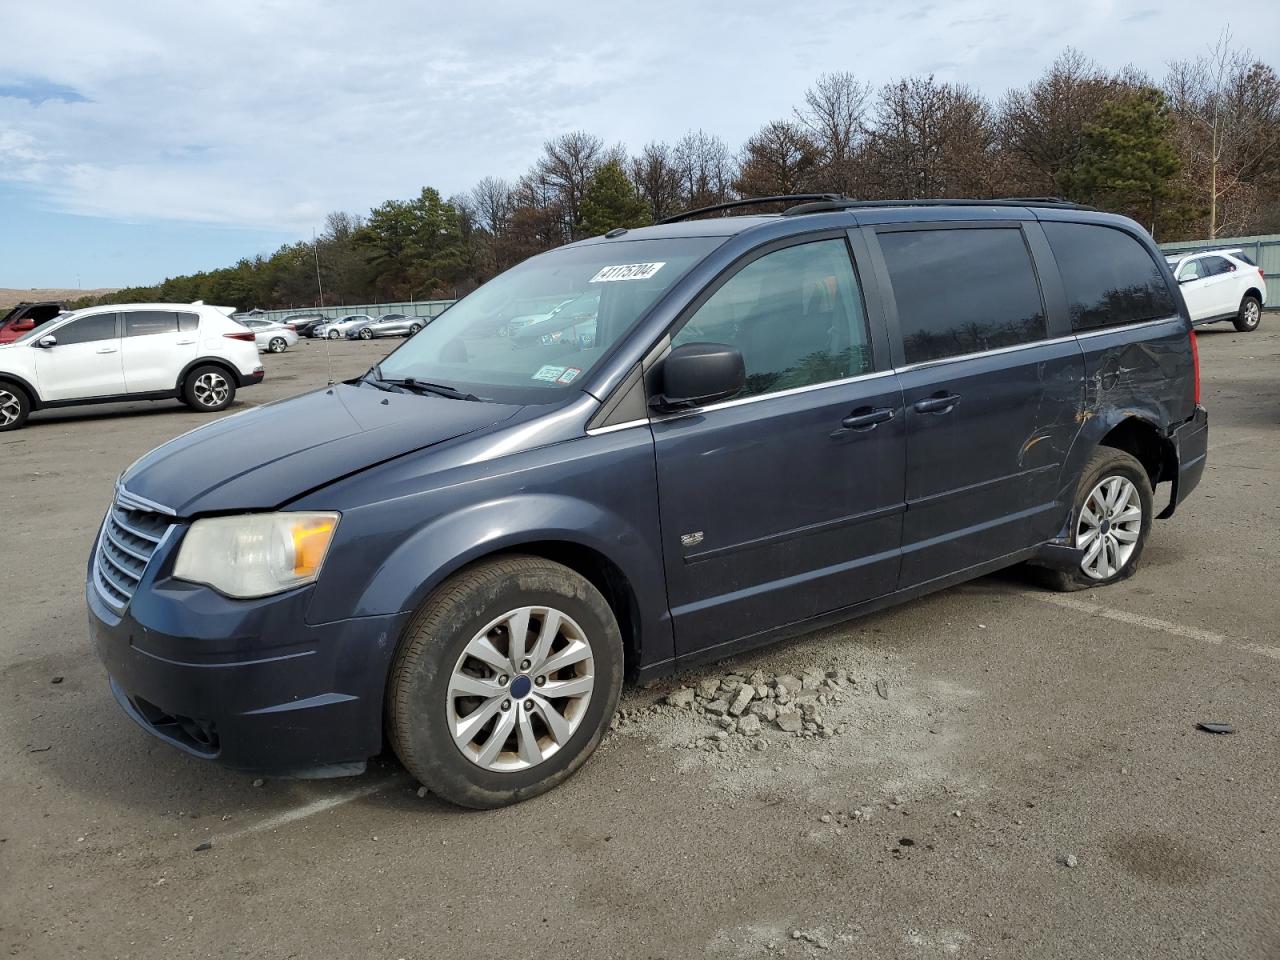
(256, 554)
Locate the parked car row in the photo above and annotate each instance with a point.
(362, 326)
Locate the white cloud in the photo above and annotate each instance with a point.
(266, 113)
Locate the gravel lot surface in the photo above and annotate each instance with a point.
(998, 771)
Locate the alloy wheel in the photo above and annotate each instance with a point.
(1252, 312)
(10, 408)
(1109, 527)
(520, 689)
(277, 345)
(211, 389)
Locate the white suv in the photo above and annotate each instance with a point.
(137, 351)
(1221, 285)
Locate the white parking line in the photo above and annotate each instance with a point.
(309, 809)
(1154, 623)
(1134, 619)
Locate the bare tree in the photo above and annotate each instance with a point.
(706, 169)
(492, 199)
(1041, 129)
(568, 163)
(931, 139)
(657, 179)
(780, 158)
(1228, 111)
(832, 116)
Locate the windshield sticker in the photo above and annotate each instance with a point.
(568, 375)
(549, 373)
(627, 271)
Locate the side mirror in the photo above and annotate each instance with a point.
(46, 342)
(695, 374)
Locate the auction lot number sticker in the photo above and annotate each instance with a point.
(627, 271)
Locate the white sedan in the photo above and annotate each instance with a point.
(271, 336)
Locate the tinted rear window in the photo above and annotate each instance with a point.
(963, 291)
(1111, 278)
(142, 323)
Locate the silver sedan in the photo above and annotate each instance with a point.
(388, 325)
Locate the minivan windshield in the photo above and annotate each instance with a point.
(529, 334)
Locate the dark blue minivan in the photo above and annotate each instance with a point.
(755, 425)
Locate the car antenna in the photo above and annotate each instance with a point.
(328, 358)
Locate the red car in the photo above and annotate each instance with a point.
(27, 316)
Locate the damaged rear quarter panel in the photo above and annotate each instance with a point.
(1144, 371)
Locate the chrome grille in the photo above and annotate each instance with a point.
(129, 537)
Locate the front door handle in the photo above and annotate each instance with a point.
(865, 418)
(938, 403)
(107, 350)
(185, 343)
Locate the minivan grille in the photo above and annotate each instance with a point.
(129, 538)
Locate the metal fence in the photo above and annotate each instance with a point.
(1264, 251)
(411, 308)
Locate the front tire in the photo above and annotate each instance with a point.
(209, 389)
(366, 334)
(1110, 521)
(15, 406)
(504, 682)
(1250, 315)
(334, 334)
(414, 328)
(277, 345)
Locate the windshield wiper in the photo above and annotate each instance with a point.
(421, 386)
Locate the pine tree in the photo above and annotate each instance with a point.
(1129, 159)
(611, 201)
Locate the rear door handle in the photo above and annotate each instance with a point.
(866, 419)
(939, 403)
(106, 350)
(185, 343)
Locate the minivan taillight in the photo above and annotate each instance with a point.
(1195, 364)
(246, 337)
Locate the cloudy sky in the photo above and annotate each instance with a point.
(150, 138)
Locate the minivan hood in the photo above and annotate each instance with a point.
(264, 457)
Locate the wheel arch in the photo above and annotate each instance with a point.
(33, 398)
(602, 547)
(236, 377)
(1255, 293)
(1147, 444)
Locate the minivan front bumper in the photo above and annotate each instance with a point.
(296, 700)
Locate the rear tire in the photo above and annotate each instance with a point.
(1250, 315)
(277, 345)
(334, 334)
(209, 388)
(15, 406)
(1121, 532)
(524, 739)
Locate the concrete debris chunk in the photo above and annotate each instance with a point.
(682, 698)
(746, 694)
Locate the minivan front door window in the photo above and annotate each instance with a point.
(795, 314)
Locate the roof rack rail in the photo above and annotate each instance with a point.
(755, 201)
(843, 203)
